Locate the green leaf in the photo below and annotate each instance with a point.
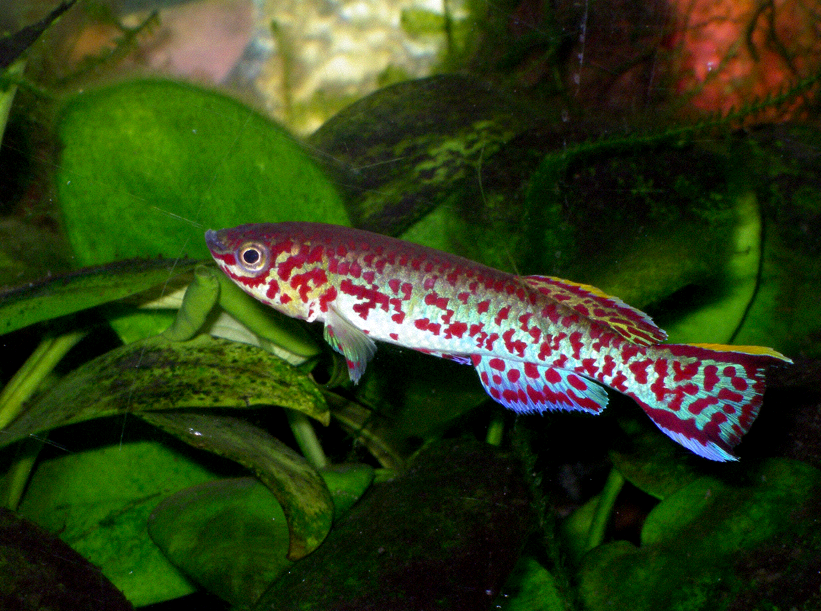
(86, 288)
(231, 536)
(157, 374)
(443, 536)
(98, 498)
(653, 464)
(406, 147)
(347, 483)
(38, 571)
(297, 486)
(147, 164)
(692, 540)
(531, 587)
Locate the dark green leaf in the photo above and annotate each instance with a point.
(443, 536)
(300, 490)
(86, 288)
(652, 463)
(691, 540)
(38, 571)
(231, 536)
(158, 374)
(98, 497)
(404, 149)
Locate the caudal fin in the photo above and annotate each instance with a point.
(705, 396)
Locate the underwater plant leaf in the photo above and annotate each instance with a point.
(297, 486)
(347, 483)
(402, 150)
(653, 464)
(443, 536)
(98, 497)
(158, 374)
(532, 587)
(719, 320)
(86, 288)
(39, 571)
(146, 164)
(231, 536)
(690, 541)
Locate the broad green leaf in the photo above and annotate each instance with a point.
(653, 464)
(98, 500)
(147, 164)
(531, 587)
(87, 288)
(38, 571)
(347, 483)
(231, 536)
(296, 485)
(443, 536)
(158, 374)
(692, 541)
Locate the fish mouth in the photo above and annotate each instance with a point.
(213, 241)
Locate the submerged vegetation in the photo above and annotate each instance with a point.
(140, 414)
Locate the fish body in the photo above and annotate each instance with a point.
(537, 342)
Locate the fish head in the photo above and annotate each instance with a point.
(271, 264)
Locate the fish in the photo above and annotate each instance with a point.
(537, 342)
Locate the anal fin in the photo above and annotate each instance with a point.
(527, 387)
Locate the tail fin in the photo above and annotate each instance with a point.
(704, 396)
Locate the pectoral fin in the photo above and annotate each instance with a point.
(349, 341)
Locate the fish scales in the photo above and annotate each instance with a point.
(536, 342)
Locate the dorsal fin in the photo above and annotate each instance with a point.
(633, 325)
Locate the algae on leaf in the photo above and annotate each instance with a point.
(158, 374)
(445, 535)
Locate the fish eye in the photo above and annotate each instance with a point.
(252, 257)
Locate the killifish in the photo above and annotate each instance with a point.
(537, 342)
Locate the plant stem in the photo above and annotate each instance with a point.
(306, 439)
(612, 487)
(29, 377)
(495, 431)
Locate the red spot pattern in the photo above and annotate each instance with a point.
(502, 315)
(326, 298)
(272, 290)
(455, 329)
(302, 282)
